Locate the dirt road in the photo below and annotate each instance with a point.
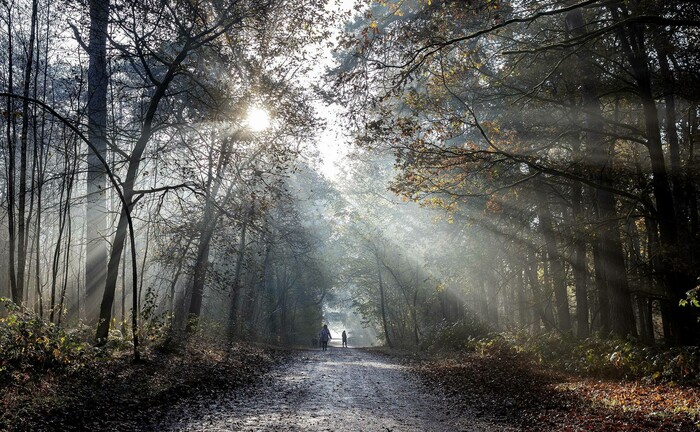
(342, 389)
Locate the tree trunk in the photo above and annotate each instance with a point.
(113, 275)
(523, 317)
(601, 285)
(382, 303)
(693, 132)
(610, 247)
(677, 179)
(173, 283)
(37, 256)
(207, 226)
(612, 257)
(411, 304)
(96, 210)
(16, 294)
(234, 319)
(123, 296)
(66, 268)
(252, 306)
(579, 264)
(22, 222)
(542, 311)
(200, 272)
(482, 299)
(645, 319)
(64, 205)
(266, 282)
(674, 271)
(492, 290)
(557, 272)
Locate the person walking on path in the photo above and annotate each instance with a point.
(345, 339)
(325, 336)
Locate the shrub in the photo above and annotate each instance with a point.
(454, 336)
(28, 344)
(613, 357)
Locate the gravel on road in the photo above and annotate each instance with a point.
(342, 389)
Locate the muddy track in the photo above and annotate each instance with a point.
(342, 389)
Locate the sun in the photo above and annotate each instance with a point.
(258, 119)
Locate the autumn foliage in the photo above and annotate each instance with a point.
(48, 376)
(499, 384)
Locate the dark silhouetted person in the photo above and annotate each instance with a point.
(325, 336)
(345, 339)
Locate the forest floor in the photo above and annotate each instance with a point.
(112, 393)
(247, 388)
(511, 390)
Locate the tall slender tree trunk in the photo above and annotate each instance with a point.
(66, 268)
(105, 316)
(410, 303)
(22, 230)
(492, 290)
(173, 283)
(482, 300)
(234, 319)
(612, 257)
(574, 23)
(200, 272)
(96, 210)
(523, 317)
(601, 288)
(264, 281)
(557, 272)
(63, 219)
(691, 191)
(382, 302)
(579, 264)
(37, 256)
(122, 307)
(10, 109)
(39, 162)
(414, 318)
(677, 178)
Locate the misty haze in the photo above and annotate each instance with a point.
(349, 215)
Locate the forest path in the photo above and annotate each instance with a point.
(342, 389)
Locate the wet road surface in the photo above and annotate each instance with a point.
(342, 389)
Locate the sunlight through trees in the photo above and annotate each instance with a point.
(521, 168)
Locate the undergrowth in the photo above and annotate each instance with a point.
(596, 356)
(612, 357)
(29, 344)
(47, 374)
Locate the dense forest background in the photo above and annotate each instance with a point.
(559, 140)
(523, 167)
(134, 187)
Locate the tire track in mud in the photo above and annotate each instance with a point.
(342, 389)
